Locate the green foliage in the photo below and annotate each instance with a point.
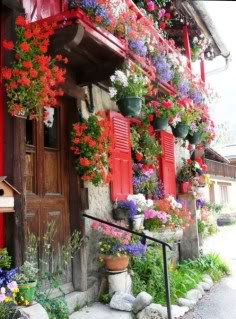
(201, 226)
(28, 272)
(77, 307)
(5, 259)
(56, 308)
(105, 298)
(7, 310)
(214, 208)
(152, 224)
(148, 274)
(144, 143)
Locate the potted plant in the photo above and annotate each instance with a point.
(27, 275)
(141, 203)
(162, 111)
(184, 178)
(128, 89)
(124, 210)
(32, 81)
(115, 247)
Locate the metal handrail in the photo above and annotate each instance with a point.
(143, 236)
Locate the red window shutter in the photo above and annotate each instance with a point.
(121, 183)
(167, 163)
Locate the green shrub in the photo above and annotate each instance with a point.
(56, 308)
(148, 274)
(5, 259)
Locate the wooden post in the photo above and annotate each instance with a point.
(202, 69)
(190, 240)
(187, 45)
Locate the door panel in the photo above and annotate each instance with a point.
(47, 178)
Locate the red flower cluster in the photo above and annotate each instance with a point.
(91, 143)
(33, 78)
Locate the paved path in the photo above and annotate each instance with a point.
(220, 303)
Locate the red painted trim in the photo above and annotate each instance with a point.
(202, 69)
(1, 132)
(187, 45)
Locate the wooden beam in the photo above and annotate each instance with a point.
(187, 45)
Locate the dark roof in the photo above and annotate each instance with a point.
(213, 155)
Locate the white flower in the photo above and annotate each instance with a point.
(195, 40)
(3, 290)
(112, 92)
(149, 203)
(181, 69)
(121, 77)
(113, 78)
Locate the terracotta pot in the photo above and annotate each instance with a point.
(116, 263)
(184, 187)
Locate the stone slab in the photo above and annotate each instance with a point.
(100, 311)
(36, 311)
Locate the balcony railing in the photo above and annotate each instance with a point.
(57, 11)
(221, 169)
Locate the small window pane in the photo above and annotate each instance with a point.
(29, 132)
(50, 128)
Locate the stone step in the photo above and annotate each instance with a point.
(100, 311)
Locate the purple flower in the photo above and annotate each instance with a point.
(160, 192)
(200, 203)
(6, 276)
(138, 46)
(102, 13)
(130, 206)
(183, 88)
(88, 4)
(196, 96)
(163, 69)
(135, 249)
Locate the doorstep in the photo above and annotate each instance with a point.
(100, 311)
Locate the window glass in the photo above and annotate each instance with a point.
(50, 128)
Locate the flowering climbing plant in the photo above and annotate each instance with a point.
(91, 144)
(33, 78)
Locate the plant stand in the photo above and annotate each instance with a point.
(119, 281)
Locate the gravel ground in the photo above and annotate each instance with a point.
(220, 303)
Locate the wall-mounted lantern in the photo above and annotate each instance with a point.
(7, 192)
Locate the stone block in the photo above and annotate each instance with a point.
(186, 303)
(36, 311)
(193, 294)
(142, 300)
(119, 282)
(122, 301)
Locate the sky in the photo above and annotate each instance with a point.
(224, 110)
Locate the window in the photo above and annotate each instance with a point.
(224, 197)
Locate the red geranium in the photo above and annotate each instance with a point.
(91, 144)
(31, 83)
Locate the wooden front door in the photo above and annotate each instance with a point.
(47, 175)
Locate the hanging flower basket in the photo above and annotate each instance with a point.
(116, 263)
(137, 222)
(195, 138)
(185, 187)
(160, 123)
(130, 105)
(181, 130)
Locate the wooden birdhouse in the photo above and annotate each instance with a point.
(7, 192)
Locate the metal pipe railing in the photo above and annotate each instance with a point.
(144, 237)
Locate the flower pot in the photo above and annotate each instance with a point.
(116, 263)
(194, 139)
(26, 293)
(184, 187)
(160, 123)
(130, 105)
(181, 130)
(120, 213)
(138, 221)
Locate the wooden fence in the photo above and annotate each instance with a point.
(221, 169)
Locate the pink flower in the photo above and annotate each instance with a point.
(12, 286)
(150, 6)
(161, 13)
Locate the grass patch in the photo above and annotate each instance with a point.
(148, 274)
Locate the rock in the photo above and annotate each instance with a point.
(155, 311)
(36, 311)
(205, 286)
(200, 288)
(120, 282)
(142, 300)
(122, 301)
(178, 311)
(193, 294)
(186, 303)
(207, 279)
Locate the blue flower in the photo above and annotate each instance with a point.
(138, 46)
(130, 206)
(183, 88)
(88, 4)
(163, 69)
(196, 96)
